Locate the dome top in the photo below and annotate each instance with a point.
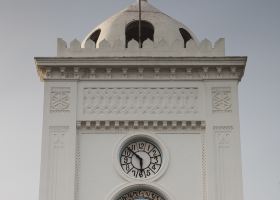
(155, 26)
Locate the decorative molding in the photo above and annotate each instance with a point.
(60, 99)
(143, 101)
(77, 167)
(121, 68)
(204, 166)
(221, 100)
(165, 125)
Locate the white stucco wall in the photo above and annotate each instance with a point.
(78, 162)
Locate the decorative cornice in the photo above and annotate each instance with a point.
(141, 68)
(141, 124)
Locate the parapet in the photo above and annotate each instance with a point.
(149, 49)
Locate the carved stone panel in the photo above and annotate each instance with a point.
(60, 99)
(144, 101)
(58, 135)
(221, 100)
(223, 136)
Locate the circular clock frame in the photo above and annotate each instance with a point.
(142, 164)
(139, 191)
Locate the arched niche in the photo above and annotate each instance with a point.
(95, 35)
(186, 35)
(132, 31)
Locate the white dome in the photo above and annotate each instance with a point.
(164, 27)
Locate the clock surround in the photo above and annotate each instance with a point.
(142, 163)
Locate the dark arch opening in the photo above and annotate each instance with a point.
(186, 36)
(94, 37)
(132, 31)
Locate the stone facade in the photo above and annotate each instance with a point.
(185, 98)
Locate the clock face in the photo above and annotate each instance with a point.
(141, 195)
(141, 159)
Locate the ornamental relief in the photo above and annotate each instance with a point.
(223, 136)
(60, 99)
(145, 101)
(221, 100)
(57, 134)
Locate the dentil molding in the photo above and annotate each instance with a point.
(140, 124)
(140, 68)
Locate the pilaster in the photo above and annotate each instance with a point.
(58, 141)
(223, 139)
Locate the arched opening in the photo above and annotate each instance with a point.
(94, 37)
(132, 31)
(186, 36)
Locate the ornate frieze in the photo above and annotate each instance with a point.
(221, 100)
(60, 99)
(144, 101)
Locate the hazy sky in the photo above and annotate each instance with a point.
(29, 28)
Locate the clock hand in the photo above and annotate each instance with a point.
(141, 165)
(137, 156)
(134, 153)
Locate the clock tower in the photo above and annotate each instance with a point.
(149, 116)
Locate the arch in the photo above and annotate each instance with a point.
(186, 35)
(132, 31)
(95, 35)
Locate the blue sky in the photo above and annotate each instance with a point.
(29, 28)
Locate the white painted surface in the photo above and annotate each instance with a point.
(165, 27)
(99, 178)
(191, 103)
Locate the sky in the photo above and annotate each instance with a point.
(29, 28)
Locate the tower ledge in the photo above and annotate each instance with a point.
(141, 68)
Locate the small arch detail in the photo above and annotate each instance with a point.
(185, 35)
(132, 32)
(95, 35)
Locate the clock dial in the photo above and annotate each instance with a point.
(141, 195)
(141, 159)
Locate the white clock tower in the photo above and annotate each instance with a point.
(153, 117)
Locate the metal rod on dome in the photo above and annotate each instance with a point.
(139, 33)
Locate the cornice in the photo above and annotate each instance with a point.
(140, 68)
